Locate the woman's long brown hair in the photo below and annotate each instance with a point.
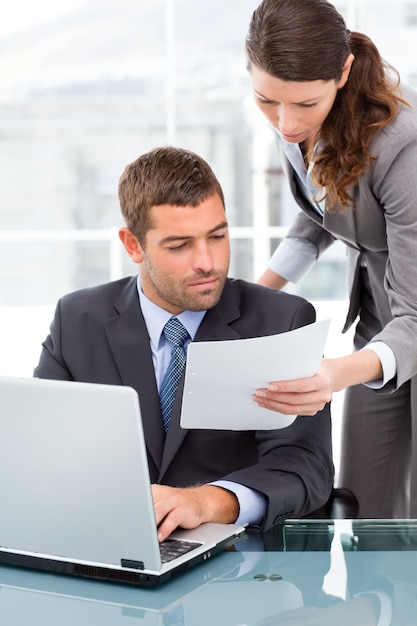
(307, 40)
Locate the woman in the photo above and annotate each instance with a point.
(347, 134)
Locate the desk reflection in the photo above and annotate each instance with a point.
(268, 580)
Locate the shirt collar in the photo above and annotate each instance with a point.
(156, 318)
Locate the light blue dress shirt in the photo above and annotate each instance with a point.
(252, 503)
(295, 256)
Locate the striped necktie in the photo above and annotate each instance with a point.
(176, 335)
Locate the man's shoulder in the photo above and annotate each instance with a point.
(253, 310)
(98, 294)
(253, 291)
(258, 305)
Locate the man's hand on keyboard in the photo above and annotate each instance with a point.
(190, 507)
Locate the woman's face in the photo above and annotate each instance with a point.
(296, 109)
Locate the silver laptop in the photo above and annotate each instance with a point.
(75, 489)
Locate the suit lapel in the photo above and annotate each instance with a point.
(129, 343)
(341, 224)
(298, 195)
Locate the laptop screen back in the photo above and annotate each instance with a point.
(75, 480)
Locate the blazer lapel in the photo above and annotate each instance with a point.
(129, 343)
(341, 224)
(298, 195)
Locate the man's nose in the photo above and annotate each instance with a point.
(203, 259)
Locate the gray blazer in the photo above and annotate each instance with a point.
(99, 335)
(380, 231)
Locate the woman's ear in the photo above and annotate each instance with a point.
(346, 71)
(131, 244)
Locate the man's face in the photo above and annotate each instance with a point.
(186, 256)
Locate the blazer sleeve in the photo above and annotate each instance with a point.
(51, 362)
(394, 183)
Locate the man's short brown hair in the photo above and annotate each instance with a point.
(165, 175)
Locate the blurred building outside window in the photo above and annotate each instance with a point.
(88, 86)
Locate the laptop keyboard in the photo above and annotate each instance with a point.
(172, 548)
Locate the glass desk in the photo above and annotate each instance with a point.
(302, 573)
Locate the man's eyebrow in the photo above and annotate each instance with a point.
(218, 227)
(189, 237)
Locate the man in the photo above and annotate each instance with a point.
(177, 232)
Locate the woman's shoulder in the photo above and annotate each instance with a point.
(403, 127)
(407, 93)
(407, 112)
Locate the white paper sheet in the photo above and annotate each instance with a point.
(222, 376)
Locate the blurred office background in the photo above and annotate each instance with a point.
(88, 85)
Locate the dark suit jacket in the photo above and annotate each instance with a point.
(99, 335)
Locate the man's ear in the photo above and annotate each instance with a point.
(131, 244)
